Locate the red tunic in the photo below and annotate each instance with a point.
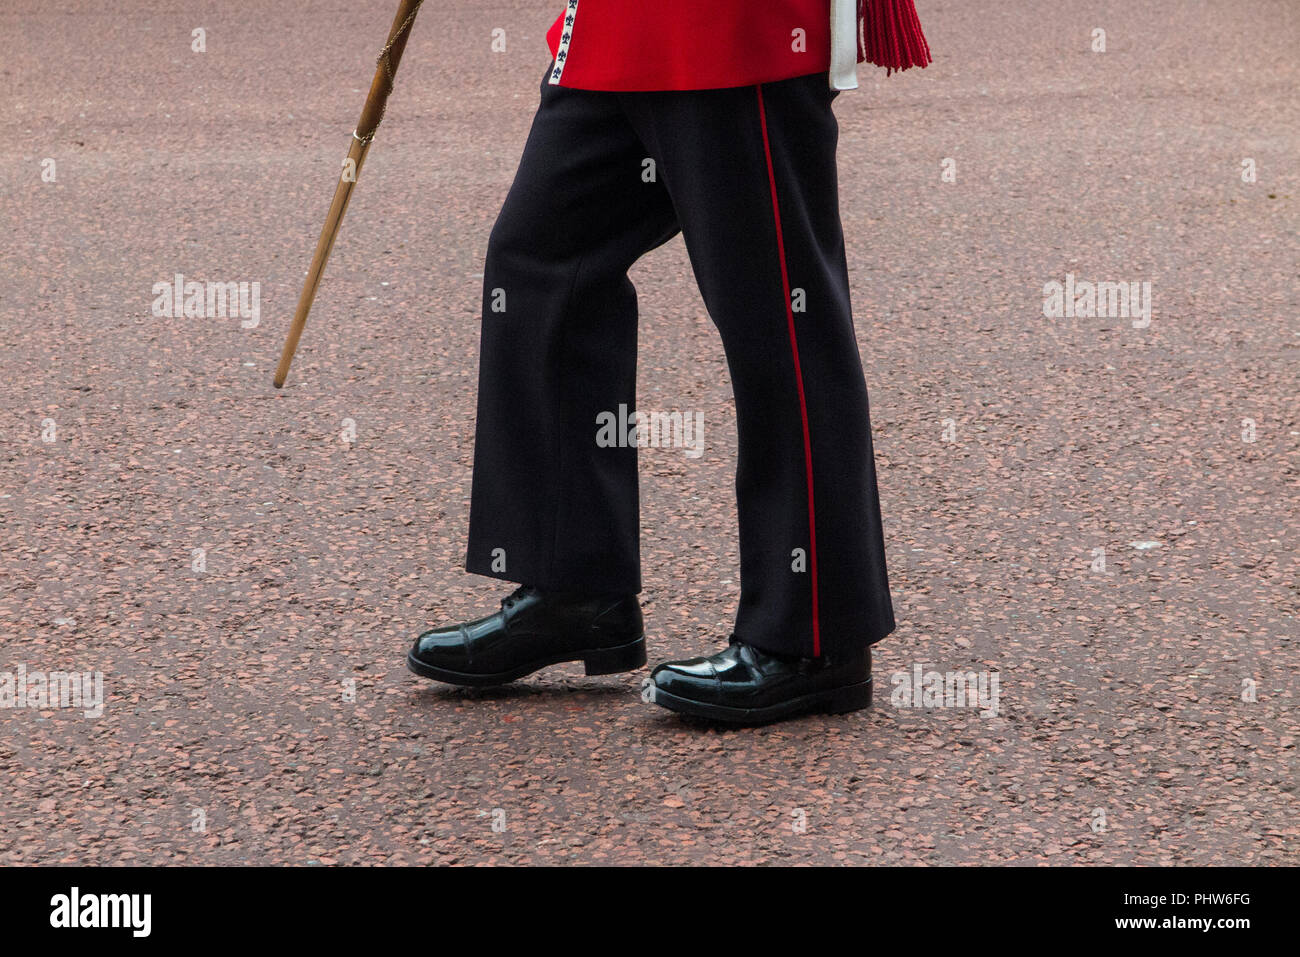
(689, 44)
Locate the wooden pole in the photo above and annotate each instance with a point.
(371, 116)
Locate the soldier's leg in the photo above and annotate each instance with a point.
(751, 173)
(550, 508)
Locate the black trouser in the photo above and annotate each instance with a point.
(554, 507)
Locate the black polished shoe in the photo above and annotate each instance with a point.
(531, 631)
(744, 685)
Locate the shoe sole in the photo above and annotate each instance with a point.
(841, 700)
(595, 661)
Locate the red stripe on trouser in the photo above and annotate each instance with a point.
(798, 374)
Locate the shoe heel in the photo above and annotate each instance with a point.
(850, 698)
(610, 661)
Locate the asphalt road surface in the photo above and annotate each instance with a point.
(1099, 512)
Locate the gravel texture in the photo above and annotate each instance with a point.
(258, 710)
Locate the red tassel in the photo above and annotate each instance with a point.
(891, 35)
